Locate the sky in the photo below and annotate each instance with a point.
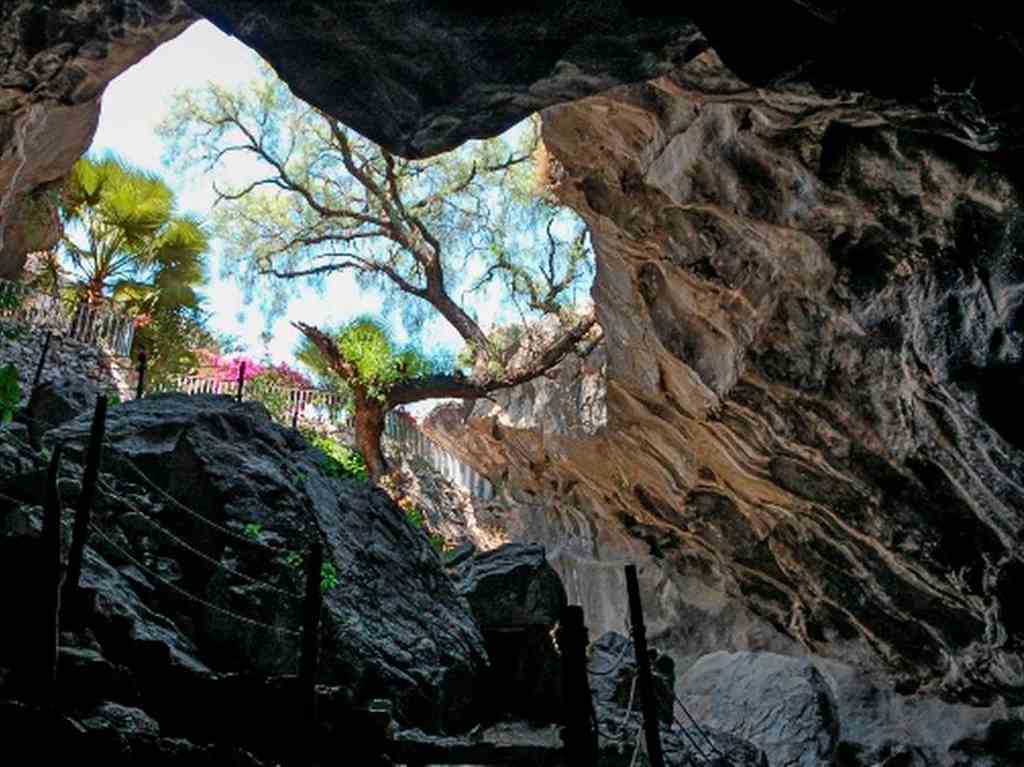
(132, 107)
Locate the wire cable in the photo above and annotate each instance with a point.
(189, 595)
(698, 728)
(189, 547)
(615, 663)
(231, 533)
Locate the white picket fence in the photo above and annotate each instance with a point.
(451, 467)
(95, 325)
(328, 407)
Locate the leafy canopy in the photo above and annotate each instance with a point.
(317, 198)
(127, 246)
(377, 362)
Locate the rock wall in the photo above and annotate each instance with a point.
(813, 315)
(56, 58)
(70, 363)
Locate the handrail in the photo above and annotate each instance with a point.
(88, 324)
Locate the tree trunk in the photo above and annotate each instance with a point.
(369, 418)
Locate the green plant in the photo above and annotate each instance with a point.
(10, 301)
(415, 517)
(438, 542)
(340, 461)
(10, 392)
(328, 577)
(328, 572)
(253, 529)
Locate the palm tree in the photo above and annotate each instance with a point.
(124, 241)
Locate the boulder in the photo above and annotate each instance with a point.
(612, 673)
(239, 499)
(125, 720)
(780, 704)
(57, 402)
(512, 585)
(516, 598)
(882, 726)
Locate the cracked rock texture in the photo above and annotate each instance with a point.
(56, 58)
(814, 318)
(809, 276)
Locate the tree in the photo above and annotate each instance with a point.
(362, 360)
(326, 200)
(127, 247)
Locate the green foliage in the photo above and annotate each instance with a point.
(366, 344)
(328, 572)
(10, 392)
(303, 213)
(340, 461)
(127, 247)
(416, 519)
(270, 388)
(378, 363)
(253, 529)
(10, 302)
(328, 577)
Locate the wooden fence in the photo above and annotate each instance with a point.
(97, 325)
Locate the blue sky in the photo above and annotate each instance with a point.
(132, 107)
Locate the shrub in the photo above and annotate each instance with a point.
(340, 461)
(10, 392)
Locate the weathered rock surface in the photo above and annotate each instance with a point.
(878, 725)
(511, 586)
(612, 675)
(55, 61)
(782, 705)
(393, 626)
(77, 370)
(517, 599)
(812, 314)
(422, 77)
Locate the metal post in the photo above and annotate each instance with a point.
(311, 631)
(86, 501)
(241, 381)
(52, 580)
(645, 682)
(140, 387)
(578, 734)
(42, 360)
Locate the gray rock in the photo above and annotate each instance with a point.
(393, 626)
(516, 598)
(512, 585)
(880, 726)
(612, 675)
(127, 721)
(57, 402)
(781, 705)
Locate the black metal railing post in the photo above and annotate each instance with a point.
(645, 682)
(578, 734)
(310, 658)
(241, 382)
(140, 385)
(86, 503)
(42, 360)
(50, 627)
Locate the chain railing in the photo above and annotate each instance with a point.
(96, 325)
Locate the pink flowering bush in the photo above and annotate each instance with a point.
(213, 365)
